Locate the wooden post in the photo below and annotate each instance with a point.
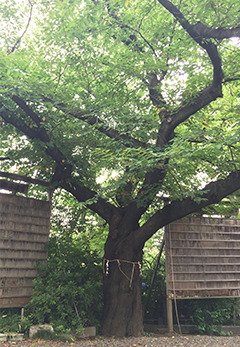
(22, 313)
(169, 315)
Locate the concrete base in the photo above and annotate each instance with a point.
(235, 329)
(15, 337)
(3, 337)
(35, 328)
(11, 337)
(88, 332)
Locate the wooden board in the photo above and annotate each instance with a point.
(203, 258)
(24, 232)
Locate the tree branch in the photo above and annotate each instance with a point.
(231, 79)
(62, 175)
(83, 194)
(40, 133)
(172, 120)
(211, 194)
(24, 179)
(218, 34)
(25, 30)
(127, 140)
(149, 189)
(208, 46)
(155, 96)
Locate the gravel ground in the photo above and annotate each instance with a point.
(168, 341)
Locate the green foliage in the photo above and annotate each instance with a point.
(210, 314)
(68, 292)
(50, 335)
(73, 219)
(10, 321)
(79, 109)
(74, 56)
(155, 305)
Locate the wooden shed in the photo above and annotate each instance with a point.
(202, 258)
(24, 232)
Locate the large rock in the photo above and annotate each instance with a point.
(35, 328)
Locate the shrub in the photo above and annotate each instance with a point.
(210, 314)
(10, 320)
(68, 292)
(156, 304)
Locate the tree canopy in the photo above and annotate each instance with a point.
(130, 106)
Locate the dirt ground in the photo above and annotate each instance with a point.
(155, 341)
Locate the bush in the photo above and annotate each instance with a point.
(10, 321)
(156, 306)
(68, 292)
(210, 314)
(50, 335)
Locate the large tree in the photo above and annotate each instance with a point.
(130, 106)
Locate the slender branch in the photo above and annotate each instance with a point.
(154, 276)
(24, 179)
(145, 40)
(231, 79)
(141, 21)
(40, 133)
(126, 140)
(232, 156)
(25, 30)
(175, 179)
(60, 74)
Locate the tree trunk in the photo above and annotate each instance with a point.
(122, 314)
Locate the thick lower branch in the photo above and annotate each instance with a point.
(96, 204)
(211, 194)
(63, 170)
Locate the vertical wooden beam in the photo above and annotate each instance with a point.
(169, 315)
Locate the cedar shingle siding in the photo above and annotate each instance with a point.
(24, 231)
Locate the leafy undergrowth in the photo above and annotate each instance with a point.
(50, 335)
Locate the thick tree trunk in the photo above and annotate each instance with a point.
(122, 314)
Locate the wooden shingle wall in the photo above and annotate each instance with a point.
(203, 258)
(24, 232)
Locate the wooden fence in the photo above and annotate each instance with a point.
(203, 258)
(24, 232)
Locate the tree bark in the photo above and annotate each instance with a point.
(122, 314)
